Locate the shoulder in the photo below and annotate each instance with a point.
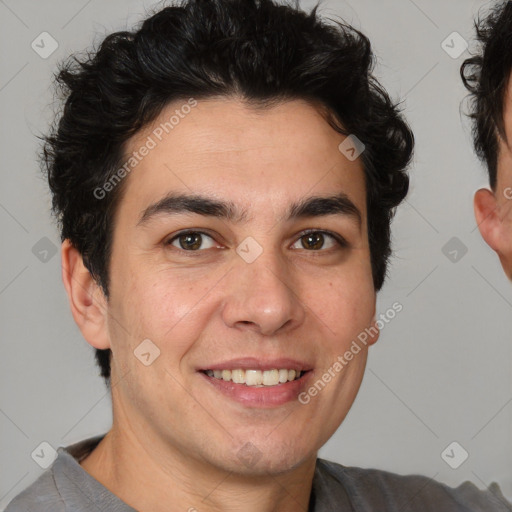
(60, 484)
(40, 496)
(372, 489)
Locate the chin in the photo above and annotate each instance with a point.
(270, 466)
(251, 460)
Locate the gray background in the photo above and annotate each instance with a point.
(441, 371)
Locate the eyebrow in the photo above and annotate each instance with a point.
(317, 206)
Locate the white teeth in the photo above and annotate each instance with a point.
(238, 376)
(256, 378)
(253, 378)
(270, 377)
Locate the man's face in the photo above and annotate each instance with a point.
(210, 300)
(493, 210)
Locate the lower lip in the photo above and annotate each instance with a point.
(264, 397)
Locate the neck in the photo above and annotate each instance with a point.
(151, 477)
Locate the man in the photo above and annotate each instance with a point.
(225, 178)
(487, 77)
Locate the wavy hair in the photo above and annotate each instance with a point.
(486, 76)
(258, 50)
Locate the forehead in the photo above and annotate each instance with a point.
(264, 157)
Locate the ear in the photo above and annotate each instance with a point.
(494, 227)
(86, 298)
(487, 217)
(374, 333)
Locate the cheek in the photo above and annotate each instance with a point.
(345, 303)
(166, 308)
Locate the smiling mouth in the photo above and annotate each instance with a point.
(256, 378)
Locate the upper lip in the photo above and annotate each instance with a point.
(253, 363)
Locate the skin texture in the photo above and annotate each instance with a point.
(175, 439)
(493, 209)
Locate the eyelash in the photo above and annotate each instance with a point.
(342, 243)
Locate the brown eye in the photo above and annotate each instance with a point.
(191, 241)
(313, 241)
(316, 240)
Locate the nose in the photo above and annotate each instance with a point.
(263, 296)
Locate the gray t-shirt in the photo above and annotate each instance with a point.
(67, 487)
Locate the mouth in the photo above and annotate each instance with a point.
(258, 383)
(257, 378)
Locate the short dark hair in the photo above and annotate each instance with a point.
(257, 50)
(486, 75)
